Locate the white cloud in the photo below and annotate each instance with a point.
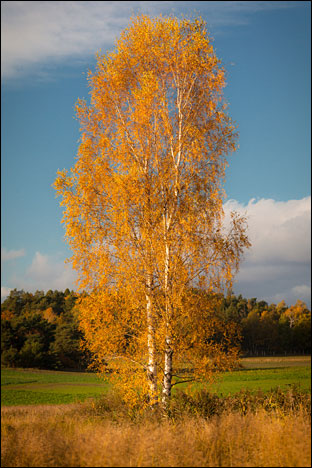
(40, 33)
(4, 292)
(303, 290)
(277, 266)
(45, 272)
(11, 254)
(290, 296)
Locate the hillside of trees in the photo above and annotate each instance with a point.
(41, 330)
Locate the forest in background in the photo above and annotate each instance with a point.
(41, 330)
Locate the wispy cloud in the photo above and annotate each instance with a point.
(278, 264)
(11, 254)
(36, 34)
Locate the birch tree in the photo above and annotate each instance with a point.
(143, 206)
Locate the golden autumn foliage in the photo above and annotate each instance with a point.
(297, 313)
(143, 205)
(49, 315)
(7, 315)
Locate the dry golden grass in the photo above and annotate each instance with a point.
(66, 435)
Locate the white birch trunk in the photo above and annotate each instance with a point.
(167, 381)
(151, 366)
(176, 159)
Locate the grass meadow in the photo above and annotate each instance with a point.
(32, 386)
(29, 387)
(70, 419)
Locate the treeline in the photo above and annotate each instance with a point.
(41, 330)
(269, 329)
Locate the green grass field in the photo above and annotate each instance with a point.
(264, 379)
(29, 387)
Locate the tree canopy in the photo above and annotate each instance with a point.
(143, 203)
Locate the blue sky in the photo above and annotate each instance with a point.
(46, 51)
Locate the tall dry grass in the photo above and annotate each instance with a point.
(68, 435)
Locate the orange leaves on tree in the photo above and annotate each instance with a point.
(143, 203)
